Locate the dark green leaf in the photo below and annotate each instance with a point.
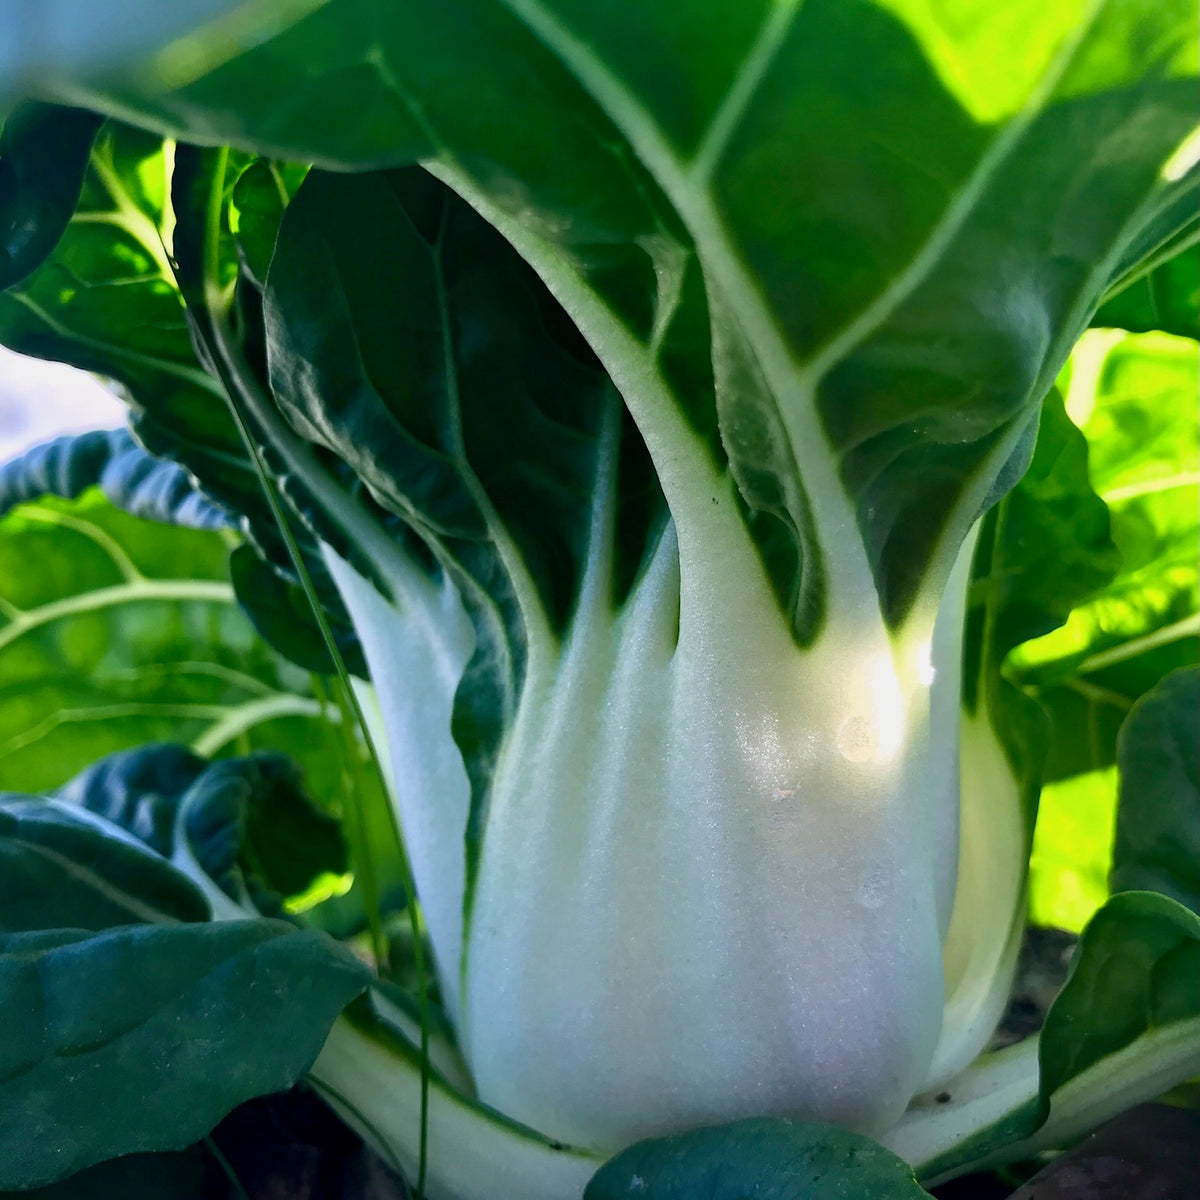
(1044, 549)
(142, 1038)
(280, 611)
(1167, 298)
(464, 399)
(260, 196)
(62, 871)
(467, 405)
(43, 155)
(243, 820)
(766, 1159)
(1134, 972)
(1052, 542)
(1158, 816)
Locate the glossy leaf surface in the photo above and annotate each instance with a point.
(775, 1160)
(1158, 818)
(142, 1038)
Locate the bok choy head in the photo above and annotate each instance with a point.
(641, 433)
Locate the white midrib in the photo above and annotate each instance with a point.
(133, 591)
(794, 385)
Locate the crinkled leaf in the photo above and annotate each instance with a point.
(1158, 817)
(61, 871)
(43, 154)
(240, 820)
(131, 480)
(142, 1038)
(771, 1159)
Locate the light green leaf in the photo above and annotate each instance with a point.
(105, 300)
(114, 632)
(142, 1038)
(1134, 398)
(1072, 849)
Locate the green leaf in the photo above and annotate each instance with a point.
(240, 822)
(131, 480)
(142, 1038)
(1134, 398)
(1124, 1029)
(1166, 298)
(43, 155)
(1158, 819)
(466, 402)
(772, 1159)
(63, 871)
(1133, 976)
(115, 631)
(262, 192)
(468, 406)
(881, 338)
(105, 300)
(283, 617)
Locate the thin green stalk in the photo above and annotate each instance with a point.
(347, 752)
(364, 862)
(235, 1183)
